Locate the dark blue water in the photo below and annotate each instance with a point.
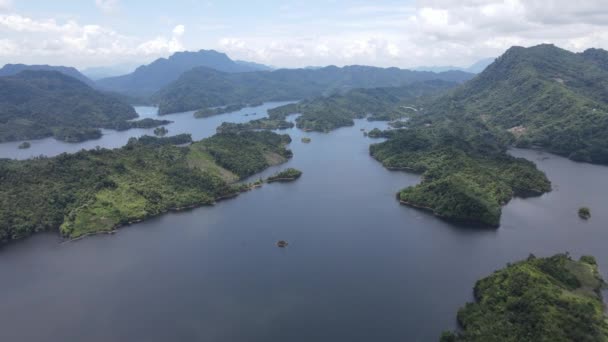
(359, 267)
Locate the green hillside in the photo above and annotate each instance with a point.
(98, 190)
(39, 104)
(545, 96)
(539, 299)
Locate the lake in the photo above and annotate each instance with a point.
(359, 266)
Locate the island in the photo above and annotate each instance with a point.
(306, 140)
(287, 175)
(161, 131)
(282, 243)
(584, 213)
(263, 123)
(538, 299)
(375, 133)
(99, 190)
(143, 123)
(24, 145)
(467, 176)
(207, 112)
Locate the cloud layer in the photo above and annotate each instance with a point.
(47, 41)
(421, 32)
(432, 32)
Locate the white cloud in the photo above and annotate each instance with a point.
(107, 6)
(418, 32)
(429, 32)
(46, 40)
(179, 30)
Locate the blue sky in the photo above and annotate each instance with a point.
(86, 33)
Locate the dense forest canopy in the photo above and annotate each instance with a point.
(98, 190)
(38, 104)
(467, 174)
(539, 299)
(545, 96)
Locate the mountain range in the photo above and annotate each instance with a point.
(204, 87)
(475, 68)
(13, 69)
(147, 79)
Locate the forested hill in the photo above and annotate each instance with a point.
(538, 299)
(545, 96)
(38, 104)
(204, 87)
(148, 79)
(98, 190)
(13, 69)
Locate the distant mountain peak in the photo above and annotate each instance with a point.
(148, 79)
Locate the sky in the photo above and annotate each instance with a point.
(88, 33)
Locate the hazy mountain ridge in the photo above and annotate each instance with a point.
(475, 68)
(13, 69)
(204, 87)
(38, 104)
(147, 79)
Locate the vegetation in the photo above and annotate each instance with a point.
(584, 213)
(545, 96)
(306, 140)
(204, 88)
(207, 112)
(539, 299)
(99, 190)
(24, 145)
(161, 131)
(259, 124)
(375, 133)
(328, 113)
(143, 123)
(290, 174)
(14, 69)
(466, 174)
(39, 104)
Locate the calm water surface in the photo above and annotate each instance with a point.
(359, 267)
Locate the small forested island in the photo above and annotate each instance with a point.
(466, 173)
(375, 133)
(263, 123)
(207, 112)
(40, 104)
(143, 123)
(287, 175)
(306, 140)
(539, 299)
(161, 131)
(24, 145)
(99, 190)
(584, 213)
